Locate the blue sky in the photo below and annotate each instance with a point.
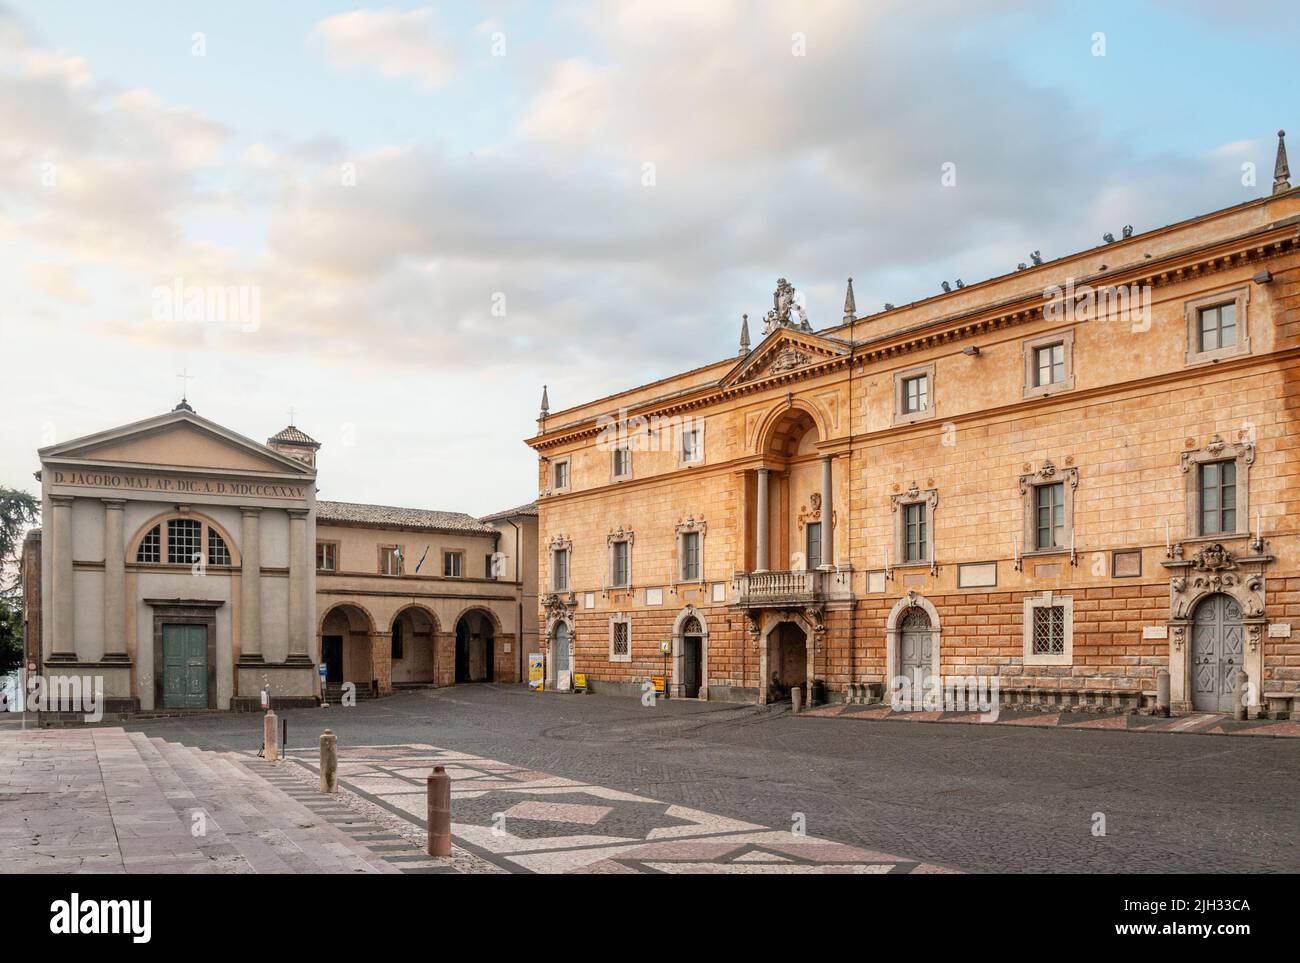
(130, 163)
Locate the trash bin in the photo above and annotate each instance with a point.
(818, 692)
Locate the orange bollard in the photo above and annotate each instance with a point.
(439, 812)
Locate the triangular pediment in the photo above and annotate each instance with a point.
(178, 439)
(783, 351)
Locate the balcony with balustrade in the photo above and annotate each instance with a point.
(756, 590)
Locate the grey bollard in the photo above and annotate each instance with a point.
(270, 737)
(329, 762)
(1162, 692)
(439, 812)
(796, 698)
(1243, 707)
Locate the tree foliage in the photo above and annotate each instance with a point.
(19, 511)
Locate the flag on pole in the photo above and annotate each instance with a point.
(422, 558)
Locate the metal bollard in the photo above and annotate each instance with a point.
(796, 698)
(1162, 692)
(329, 762)
(270, 737)
(1243, 706)
(439, 812)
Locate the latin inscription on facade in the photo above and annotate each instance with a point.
(175, 486)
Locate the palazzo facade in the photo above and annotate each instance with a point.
(182, 566)
(1066, 478)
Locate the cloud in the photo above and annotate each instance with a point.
(397, 45)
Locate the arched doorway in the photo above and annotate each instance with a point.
(1218, 653)
(345, 646)
(475, 647)
(787, 660)
(412, 646)
(912, 638)
(560, 655)
(690, 655)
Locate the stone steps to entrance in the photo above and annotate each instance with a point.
(104, 800)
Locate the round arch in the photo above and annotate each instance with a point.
(345, 635)
(133, 546)
(909, 603)
(764, 651)
(475, 651)
(413, 645)
(778, 419)
(692, 671)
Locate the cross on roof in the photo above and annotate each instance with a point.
(185, 377)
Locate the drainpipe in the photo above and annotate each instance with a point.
(519, 616)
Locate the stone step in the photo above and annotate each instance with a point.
(222, 852)
(151, 836)
(258, 842)
(304, 841)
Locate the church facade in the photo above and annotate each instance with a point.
(1064, 480)
(183, 566)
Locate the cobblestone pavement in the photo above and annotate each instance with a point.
(519, 819)
(975, 798)
(1197, 723)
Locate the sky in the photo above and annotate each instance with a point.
(424, 213)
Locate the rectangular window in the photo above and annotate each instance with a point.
(1049, 363)
(619, 564)
(1049, 630)
(184, 541)
(814, 544)
(916, 394)
(327, 558)
(453, 564)
(561, 477)
(1218, 326)
(560, 570)
(690, 556)
(622, 462)
(621, 644)
(1218, 485)
(914, 535)
(1049, 520)
(390, 560)
(489, 570)
(692, 446)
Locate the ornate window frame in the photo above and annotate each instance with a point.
(1243, 453)
(1048, 474)
(1192, 313)
(561, 543)
(914, 496)
(613, 538)
(1029, 349)
(902, 417)
(620, 618)
(689, 526)
(1048, 599)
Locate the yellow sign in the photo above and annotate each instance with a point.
(580, 680)
(536, 671)
(658, 681)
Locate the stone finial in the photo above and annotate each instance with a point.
(546, 404)
(850, 306)
(744, 335)
(1281, 170)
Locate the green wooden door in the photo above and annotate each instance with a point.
(185, 666)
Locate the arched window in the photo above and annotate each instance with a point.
(692, 627)
(915, 621)
(187, 541)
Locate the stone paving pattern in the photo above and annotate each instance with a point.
(529, 821)
(1206, 723)
(981, 798)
